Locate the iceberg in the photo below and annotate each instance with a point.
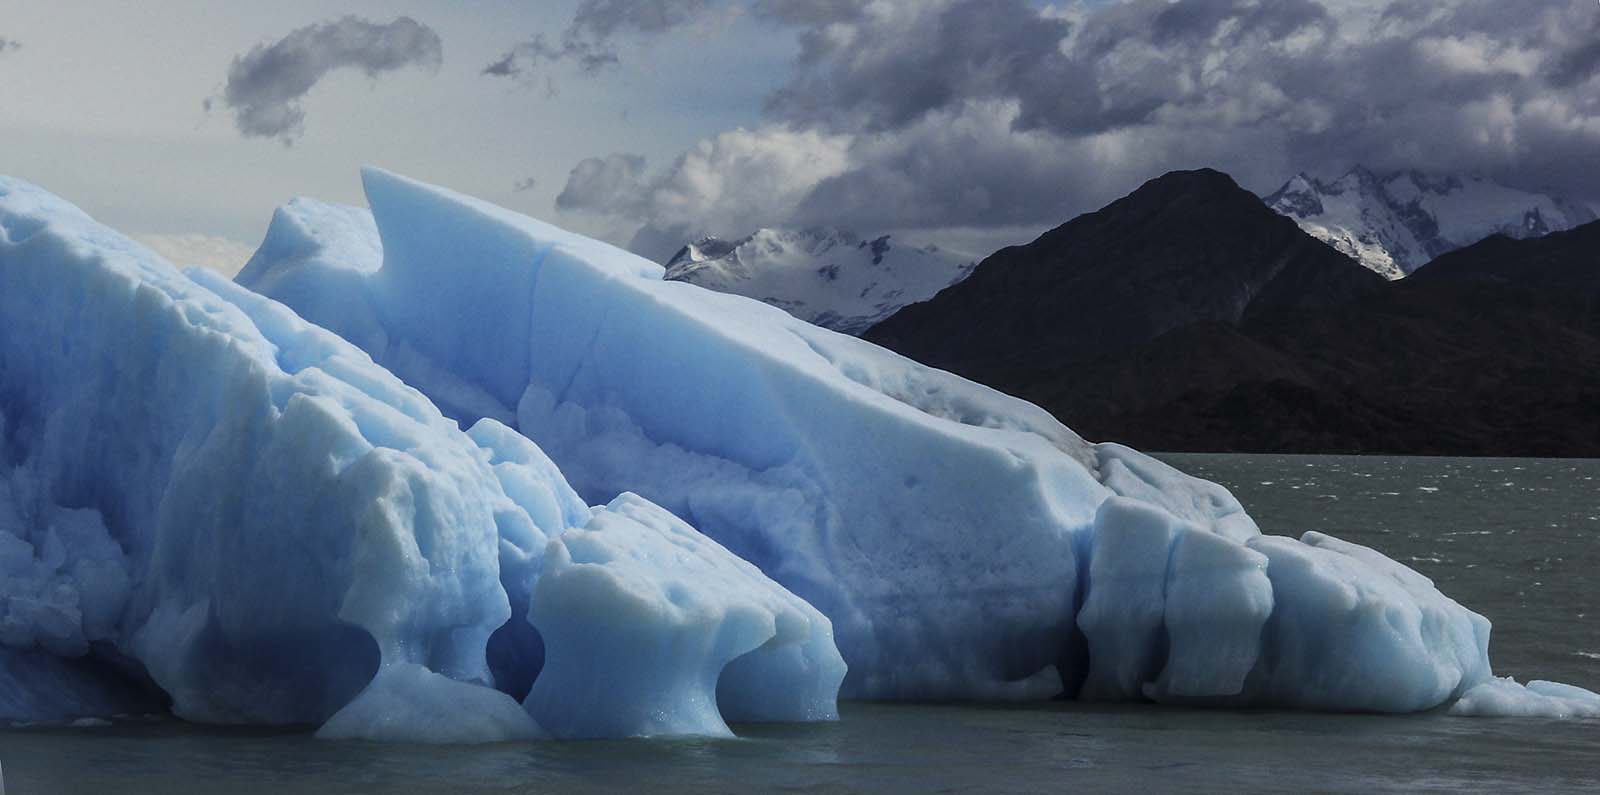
(652, 628)
(208, 502)
(963, 543)
(1504, 697)
(211, 503)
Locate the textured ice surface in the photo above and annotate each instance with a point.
(406, 702)
(1504, 698)
(1352, 629)
(650, 627)
(200, 487)
(963, 543)
(259, 515)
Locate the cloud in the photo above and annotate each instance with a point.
(602, 19)
(587, 40)
(524, 184)
(6, 45)
(220, 254)
(896, 61)
(733, 181)
(589, 56)
(266, 84)
(1002, 113)
(613, 184)
(505, 67)
(808, 12)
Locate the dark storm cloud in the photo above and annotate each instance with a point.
(266, 84)
(886, 72)
(1003, 112)
(808, 12)
(603, 18)
(1580, 64)
(587, 41)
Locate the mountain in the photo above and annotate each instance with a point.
(1185, 248)
(1492, 349)
(828, 277)
(1394, 222)
(1567, 261)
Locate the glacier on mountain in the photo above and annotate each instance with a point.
(964, 544)
(207, 502)
(1396, 222)
(827, 277)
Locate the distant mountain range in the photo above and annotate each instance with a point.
(1194, 315)
(829, 277)
(1391, 222)
(1189, 316)
(1185, 248)
(1394, 222)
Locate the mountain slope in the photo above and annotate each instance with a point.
(1493, 349)
(826, 277)
(1187, 247)
(1176, 319)
(1394, 222)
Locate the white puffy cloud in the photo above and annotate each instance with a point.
(733, 181)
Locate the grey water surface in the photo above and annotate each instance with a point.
(1515, 539)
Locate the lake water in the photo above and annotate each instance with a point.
(1515, 539)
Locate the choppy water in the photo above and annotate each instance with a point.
(1517, 540)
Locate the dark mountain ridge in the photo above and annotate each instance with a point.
(1493, 349)
(1187, 247)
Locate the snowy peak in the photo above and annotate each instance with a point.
(1395, 222)
(1297, 198)
(829, 277)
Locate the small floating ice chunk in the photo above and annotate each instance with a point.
(1505, 698)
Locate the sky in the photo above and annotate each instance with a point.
(967, 123)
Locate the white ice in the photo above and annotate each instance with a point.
(963, 543)
(199, 487)
(1505, 698)
(652, 628)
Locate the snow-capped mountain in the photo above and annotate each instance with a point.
(1395, 222)
(828, 277)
